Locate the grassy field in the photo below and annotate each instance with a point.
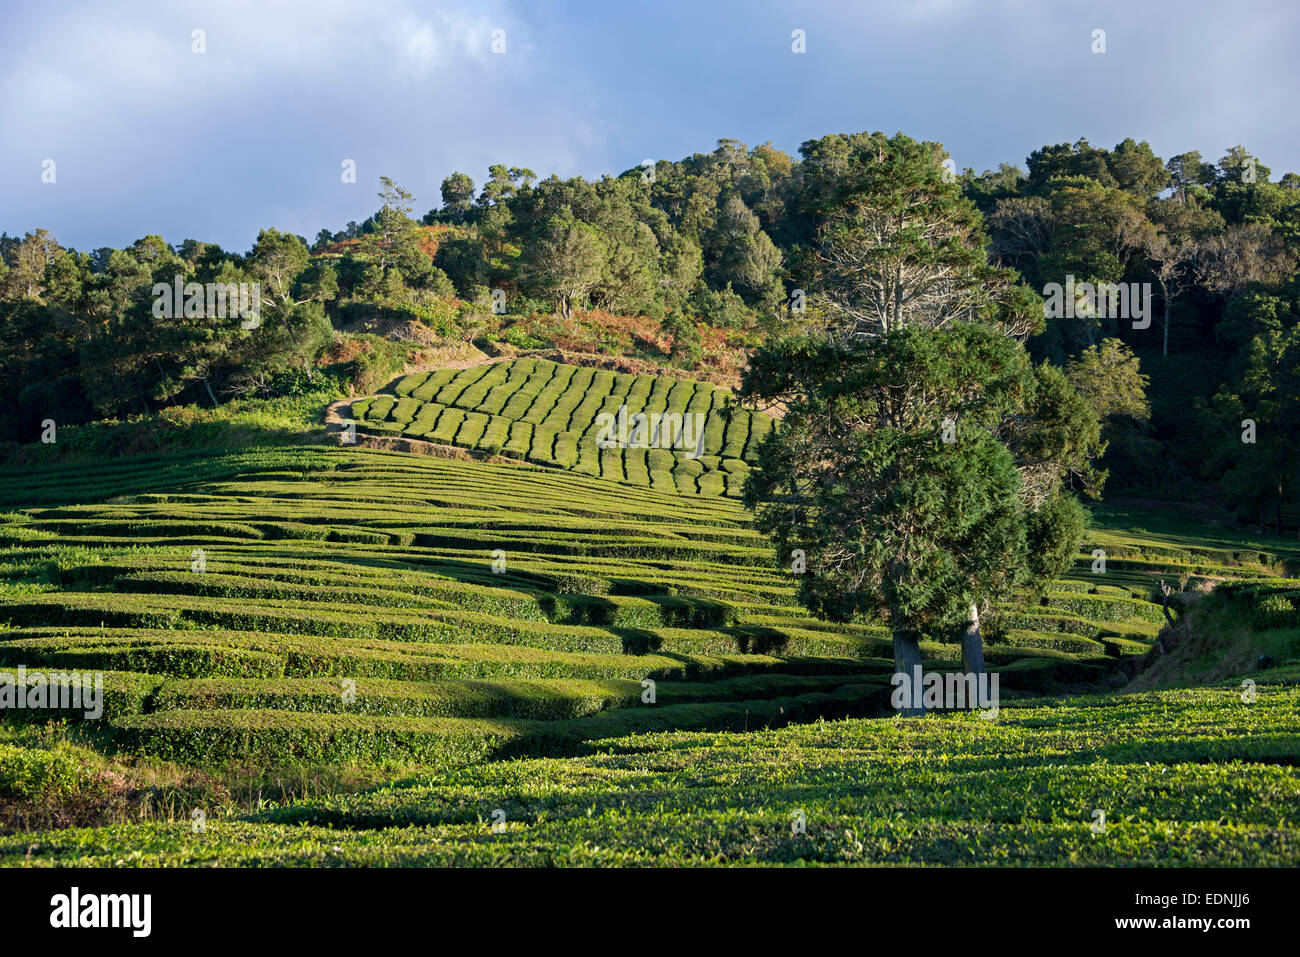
(284, 631)
(550, 413)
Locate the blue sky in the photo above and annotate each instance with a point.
(150, 137)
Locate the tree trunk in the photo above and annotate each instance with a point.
(907, 659)
(211, 395)
(972, 645)
(1166, 347)
(1281, 491)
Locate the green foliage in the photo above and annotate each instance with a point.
(899, 244)
(688, 345)
(457, 194)
(722, 237)
(564, 263)
(36, 773)
(1263, 464)
(1187, 778)
(376, 364)
(1220, 255)
(916, 443)
(894, 520)
(393, 244)
(1277, 611)
(1108, 376)
(1053, 532)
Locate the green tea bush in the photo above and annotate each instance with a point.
(36, 773)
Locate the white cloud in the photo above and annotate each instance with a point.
(150, 136)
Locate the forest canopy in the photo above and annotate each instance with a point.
(719, 251)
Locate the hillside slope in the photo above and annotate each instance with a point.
(479, 609)
(551, 413)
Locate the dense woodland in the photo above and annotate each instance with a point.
(725, 247)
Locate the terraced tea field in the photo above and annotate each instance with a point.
(480, 609)
(322, 606)
(551, 413)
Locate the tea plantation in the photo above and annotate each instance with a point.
(693, 440)
(620, 669)
(1179, 778)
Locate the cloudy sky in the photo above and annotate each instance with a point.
(148, 136)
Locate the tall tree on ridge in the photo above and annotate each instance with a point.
(903, 254)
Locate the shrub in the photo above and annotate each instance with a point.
(31, 773)
(1275, 611)
(519, 337)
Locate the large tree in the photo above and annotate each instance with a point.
(457, 194)
(1181, 226)
(564, 262)
(394, 241)
(1230, 262)
(905, 277)
(27, 264)
(1262, 458)
(899, 244)
(889, 473)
